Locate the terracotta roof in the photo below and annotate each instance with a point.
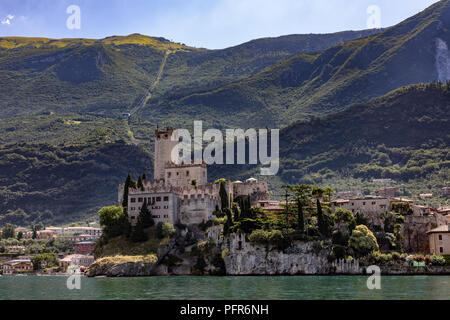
(440, 229)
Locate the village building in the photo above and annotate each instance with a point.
(439, 239)
(388, 192)
(17, 266)
(15, 249)
(84, 247)
(180, 191)
(75, 260)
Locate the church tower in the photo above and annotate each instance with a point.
(166, 151)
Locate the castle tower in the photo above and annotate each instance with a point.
(166, 144)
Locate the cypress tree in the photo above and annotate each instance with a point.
(223, 196)
(236, 212)
(144, 177)
(146, 216)
(138, 234)
(140, 185)
(322, 224)
(301, 220)
(125, 191)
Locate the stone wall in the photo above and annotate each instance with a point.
(245, 258)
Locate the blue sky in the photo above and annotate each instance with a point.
(201, 23)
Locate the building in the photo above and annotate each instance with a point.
(85, 247)
(273, 206)
(75, 260)
(256, 190)
(388, 192)
(43, 234)
(439, 239)
(15, 249)
(369, 205)
(95, 233)
(349, 194)
(17, 266)
(180, 191)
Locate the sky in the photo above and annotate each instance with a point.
(212, 24)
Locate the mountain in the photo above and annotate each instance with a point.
(308, 85)
(109, 76)
(59, 184)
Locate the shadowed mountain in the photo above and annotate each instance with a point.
(309, 85)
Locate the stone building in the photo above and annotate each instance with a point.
(180, 191)
(439, 240)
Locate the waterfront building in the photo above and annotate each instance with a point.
(439, 239)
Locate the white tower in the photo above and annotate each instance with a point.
(166, 150)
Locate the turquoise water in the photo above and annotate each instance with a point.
(199, 288)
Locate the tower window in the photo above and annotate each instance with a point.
(187, 173)
(440, 237)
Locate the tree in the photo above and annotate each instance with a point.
(20, 235)
(165, 230)
(363, 241)
(45, 260)
(140, 184)
(322, 221)
(129, 183)
(300, 218)
(223, 195)
(146, 216)
(137, 233)
(229, 222)
(8, 231)
(114, 221)
(236, 212)
(144, 177)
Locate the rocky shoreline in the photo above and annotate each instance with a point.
(241, 258)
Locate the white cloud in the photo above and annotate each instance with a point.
(7, 20)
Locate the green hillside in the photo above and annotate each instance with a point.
(109, 76)
(60, 184)
(309, 85)
(404, 136)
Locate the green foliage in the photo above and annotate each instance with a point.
(145, 216)
(137, 231)
(114, 221)
(8, 231)
(223, 196)
(277, 238)
(165, 230)
(45, 260)
(363, 241)
(46, 185)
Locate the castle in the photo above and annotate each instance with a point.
(180, 192)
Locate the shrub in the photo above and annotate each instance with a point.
(165, 230)
(274, 237)
(339, 251)
(438, 260)
(363, 241)
(419, 258)
(396, 256)
(225, 253)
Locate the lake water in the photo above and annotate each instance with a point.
(241, 288)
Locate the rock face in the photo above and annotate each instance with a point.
(245, 258)
(120, 267)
